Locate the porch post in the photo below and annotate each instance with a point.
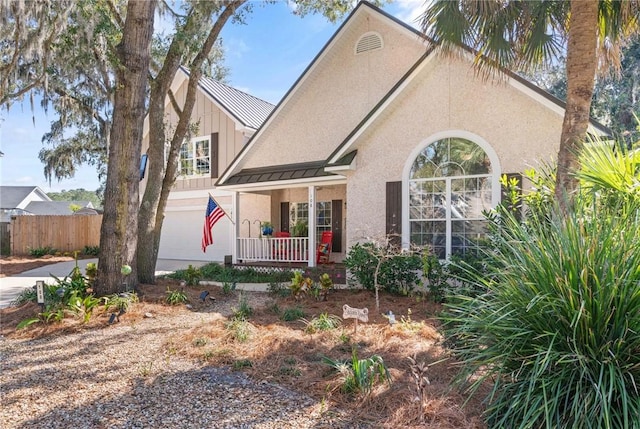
(235, 215)
(312, 226)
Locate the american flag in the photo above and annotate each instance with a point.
(213, 215)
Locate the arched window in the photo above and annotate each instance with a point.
(450, 185)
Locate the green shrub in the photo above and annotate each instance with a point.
(176, 297)
(221, 273)
(192, 275)
(26, 295)
(39, 252)
(91, 250)
(292, 314)
(398, 273)
(556, 333)
(323, 322)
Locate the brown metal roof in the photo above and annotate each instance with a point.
(279, 172)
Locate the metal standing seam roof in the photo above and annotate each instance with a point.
(249, 110)
(280, 172)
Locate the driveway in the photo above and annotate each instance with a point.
(11, 287)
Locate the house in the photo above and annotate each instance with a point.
(225, 120)
(15, 199)
(31, 200)
(382, 136)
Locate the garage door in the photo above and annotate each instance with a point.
(182, 237)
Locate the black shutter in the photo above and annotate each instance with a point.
(214, 155)
(336, 225)
(284, 216)
(393, 212)
(517, 211)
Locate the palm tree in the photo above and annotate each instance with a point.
(526, 35)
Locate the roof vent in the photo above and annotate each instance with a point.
(370, 41)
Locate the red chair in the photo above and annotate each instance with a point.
(324, 248)
(281, 247)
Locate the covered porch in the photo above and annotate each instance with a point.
(305, 207)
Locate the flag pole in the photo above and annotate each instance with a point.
(223, 210)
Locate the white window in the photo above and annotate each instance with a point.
(299, 212)
(195, 157)
(450, 185)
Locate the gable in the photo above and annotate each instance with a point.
(12, 197)
(338, 88)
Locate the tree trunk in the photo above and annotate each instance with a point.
(162, 176)
(118, 235)
(581, 71)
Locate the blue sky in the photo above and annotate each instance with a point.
(265, 57)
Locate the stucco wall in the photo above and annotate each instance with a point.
(336, 95)
(445, 97)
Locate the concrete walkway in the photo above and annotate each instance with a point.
(11, 287)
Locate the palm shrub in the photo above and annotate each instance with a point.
(556, 333)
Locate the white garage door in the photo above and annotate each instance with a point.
(182, 237)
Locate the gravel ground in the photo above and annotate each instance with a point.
(122, 377)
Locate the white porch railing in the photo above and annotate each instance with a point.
(285, 249)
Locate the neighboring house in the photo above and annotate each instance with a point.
(380, 136)
(59, 207)
(225, 118)
(31, 200)
(15, 199)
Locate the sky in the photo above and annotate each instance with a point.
(265, 57)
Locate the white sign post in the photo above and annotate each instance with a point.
(40, 292)
(361, 314)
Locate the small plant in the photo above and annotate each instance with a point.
(200, 341)
(278, 289)
(292, 314)
(192, 275)
(228, 287)
(26, 295)
(360, 375)
(91, 250)
(323, 322)
(244, 310)
(326, 284)
(420, 379)
(120, 302)
(91, 271)
(39, 252)
(266, 228)
(239, 329)
(144, 369)
(242, 363)
(176, 297)
(409, 325)
(84, 307)
(435, 277)
(274, 308)
(299, 285)
(300, 229)
(290, 371)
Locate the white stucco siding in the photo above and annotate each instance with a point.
(445, 98)
(337, 93)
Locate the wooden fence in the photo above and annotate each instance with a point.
(63, 233)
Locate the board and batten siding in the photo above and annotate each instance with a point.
(211, 121)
